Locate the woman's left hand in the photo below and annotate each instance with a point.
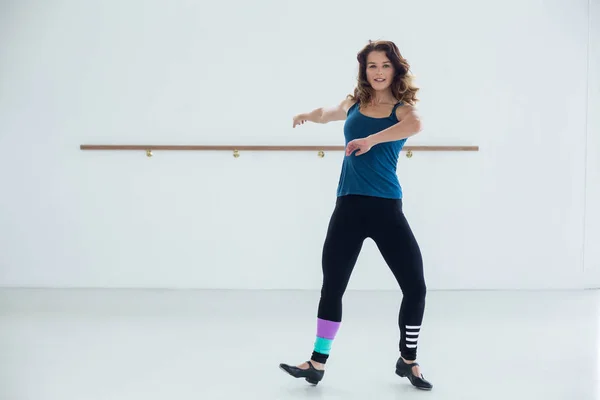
(362, 145)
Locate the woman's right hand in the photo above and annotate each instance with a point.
(300, 119)
(324, 115)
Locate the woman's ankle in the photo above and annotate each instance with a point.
(317, 365)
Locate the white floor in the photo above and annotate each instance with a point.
(175, 345)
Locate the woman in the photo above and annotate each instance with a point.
(379, 117)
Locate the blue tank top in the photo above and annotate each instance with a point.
(372, 173)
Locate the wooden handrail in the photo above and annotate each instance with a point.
(259, 148)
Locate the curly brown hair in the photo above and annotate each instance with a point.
(402, 87)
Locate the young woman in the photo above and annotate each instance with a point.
(379, 117)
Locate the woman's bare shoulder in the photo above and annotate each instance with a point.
(347, 103)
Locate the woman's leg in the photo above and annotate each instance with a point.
(345, 236)
(394, 238)
(344, 240)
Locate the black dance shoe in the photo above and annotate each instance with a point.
(404, 370)
(311, 374)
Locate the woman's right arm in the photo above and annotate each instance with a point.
(324, 115)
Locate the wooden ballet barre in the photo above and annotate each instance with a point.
(236, 149)
(259, 148)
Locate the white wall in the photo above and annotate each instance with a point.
(509, 77)
(592, 231)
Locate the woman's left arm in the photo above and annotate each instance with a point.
(409, 125)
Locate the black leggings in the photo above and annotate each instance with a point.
(354, 219)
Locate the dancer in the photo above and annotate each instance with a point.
(379, 117)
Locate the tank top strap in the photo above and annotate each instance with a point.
(393, 114)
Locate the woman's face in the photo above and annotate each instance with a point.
(380, 70)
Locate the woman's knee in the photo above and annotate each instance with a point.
(332, 292)
(417, 291)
